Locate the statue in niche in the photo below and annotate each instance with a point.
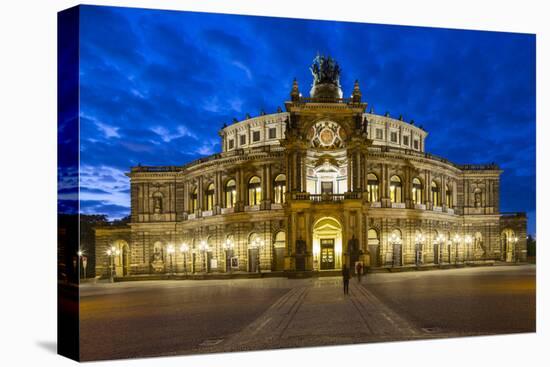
(157, 204)
(477, 198)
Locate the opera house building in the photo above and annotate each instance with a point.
(324, 183)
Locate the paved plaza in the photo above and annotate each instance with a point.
(155, 318)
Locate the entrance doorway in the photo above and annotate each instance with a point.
(436, 253)
(327, 253)
(327, 244)
(253, 260)
(279, 251)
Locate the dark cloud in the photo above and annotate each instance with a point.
(157, 85)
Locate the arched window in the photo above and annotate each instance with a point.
(157, 202)
(210, 197)
(373, 237)
(372, 188)
(417, 191)
(396, 190)
(448, 196)
(194, 200)
(436, 200)
(280, 189)
(230, 194)
(254, 191)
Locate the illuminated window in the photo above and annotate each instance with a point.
(448, 196)
(194, 198)
(254, 191)
(417, 191)
(280, 189)
(396, 190)
(210, 197)
(436, 200)
(230, 194)
(372, 187)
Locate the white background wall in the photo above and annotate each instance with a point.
(28, 161)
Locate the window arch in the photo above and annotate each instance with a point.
(373, 238)
(417, 190)
(436, 198)
(230, 193)
(279, 189)
(396, 189)
(448, 196)
(194, 199)
(210, 197)
(372, 188)
(254, 191)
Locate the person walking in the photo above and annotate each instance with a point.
(359, 271)
(345, 278)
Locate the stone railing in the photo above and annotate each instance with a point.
(317, 198)
(251, 208)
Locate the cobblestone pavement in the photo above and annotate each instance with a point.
(318, 313)
(157, 318)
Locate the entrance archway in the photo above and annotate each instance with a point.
(508, 246)
(374, 247)
(122, 260)
(279, 245)
(327, 244)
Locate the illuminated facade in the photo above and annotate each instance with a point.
(321, 184)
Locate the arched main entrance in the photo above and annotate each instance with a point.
(327, 244)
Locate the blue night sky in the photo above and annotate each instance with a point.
(156, 86)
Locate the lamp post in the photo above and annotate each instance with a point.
(439, 241)
(112, 252)
(468, 240)
(258, 243)
(419, 241)
(203, 247)
(456, 240)
(394, 240)
(228, 248)
(184, 250)
(170, 250)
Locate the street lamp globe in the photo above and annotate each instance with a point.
(184, 248)
(170, 249)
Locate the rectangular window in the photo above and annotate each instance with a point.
(416, 144)
(272, 133)
(255, 136)
(406, 140)
(230, 144)
(393, 137)
(242, 140)
(379, 134)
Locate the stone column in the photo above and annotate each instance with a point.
(303, 171)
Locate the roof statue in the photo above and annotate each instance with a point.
(325, 70)
(326, 78)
